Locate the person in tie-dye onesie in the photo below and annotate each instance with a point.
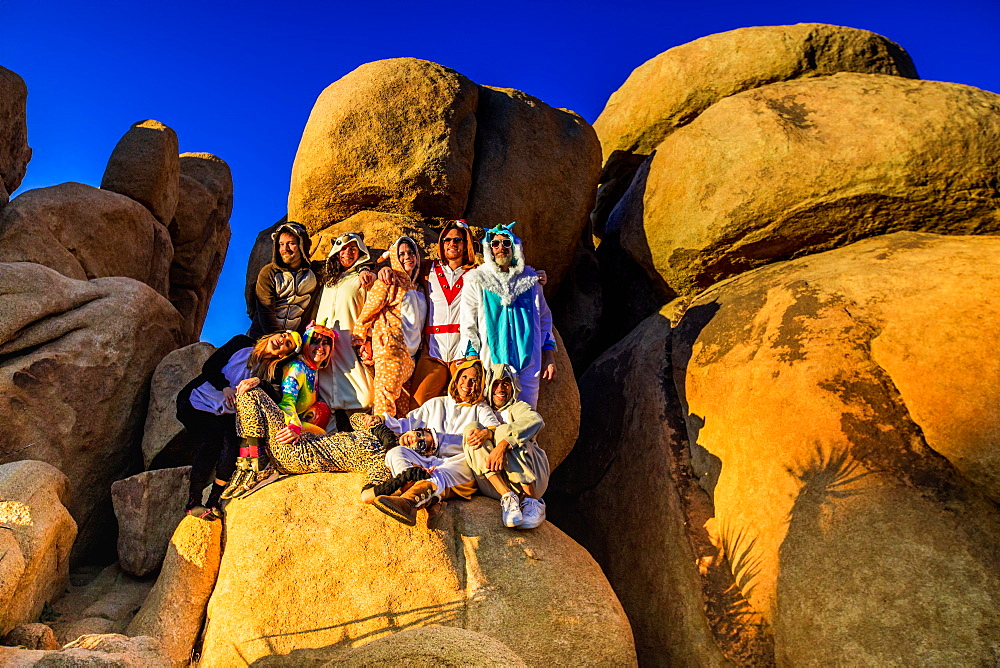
(392, 322)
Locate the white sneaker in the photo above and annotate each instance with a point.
(532, 513)
(510, 510)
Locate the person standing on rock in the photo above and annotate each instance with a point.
(505, 319)
(207, 409)
(508, 464)
(391, 325)
(436, 444)
(346, 384)
(287, 286)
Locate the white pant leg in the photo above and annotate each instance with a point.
(401, 458)
(530, 377)
(453, 471)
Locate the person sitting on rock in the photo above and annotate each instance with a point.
(436, 445)
(287, 286)
(207, 409)
(508, 464)
(391, 325)
(276, 442)
(505, 318)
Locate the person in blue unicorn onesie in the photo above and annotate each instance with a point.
(504, 318)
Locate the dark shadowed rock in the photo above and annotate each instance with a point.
(148, 506)
(14, 150)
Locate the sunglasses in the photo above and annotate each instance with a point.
(500, 242)
(422, 443)
(454, 240)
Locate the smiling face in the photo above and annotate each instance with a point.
(349, 254)
(407, 257)
(503, 390)
(288, 249)
(454, 245)
(503, 252)
(466, 384)
(418, 439)
(319, 350)
(280, 345)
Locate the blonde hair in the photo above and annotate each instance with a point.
(262, 363)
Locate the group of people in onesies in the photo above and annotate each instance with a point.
(423, 375)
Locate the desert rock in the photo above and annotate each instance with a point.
(32, 495)
(832, 426)
(559, 406)
(200, 233)
(673, 88)
(164, 439)
(393, 135)
(260, 255)
(14, 150)
(84, 232)
(538, 166)
(471, 573)
(175, 608)
(149, 506)
(380, 231)
(97, 651)
(31, 636)
(73, 388)
(805, 166)
(144, 166)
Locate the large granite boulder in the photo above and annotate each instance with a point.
(673, 88)
(31, 636)
(84, 232)
(260, 254)
(108, 650)
(821, 445)
(165, 442)
(380, 231)
(97, 603)
(175, 609)
(14, 150)
(144, 166)
(559, 406)
(421, 647)
(393, 135)
(78, 356)
(35, 540)
(805, 166)
(538, 166)
(343, 573)
(200, 234)
(149, 506)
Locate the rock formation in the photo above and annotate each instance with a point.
(164, 439)
(83, 233)
(409, 137)
(471, 573)
(145, 167)
(200, 233)
(175, 608)
(14, 150)
(805, 166)
(35, 542)
(149, 506)
(672, 89)
(812, 427)
(73, 386)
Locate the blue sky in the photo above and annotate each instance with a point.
(238, 78)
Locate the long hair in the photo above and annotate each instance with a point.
(259, 365)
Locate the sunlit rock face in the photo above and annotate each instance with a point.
(817, 464)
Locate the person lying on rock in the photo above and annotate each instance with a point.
(505, 318)
(434, 443)
(207, 409)
(508, 463)
(278, 441)
(287, 286)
